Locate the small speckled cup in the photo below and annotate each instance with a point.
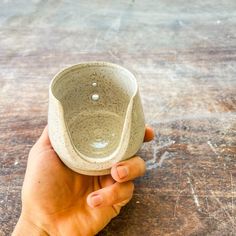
(95, 116)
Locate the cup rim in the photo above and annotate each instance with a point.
(92, 64)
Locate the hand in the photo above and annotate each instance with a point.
(59, 201)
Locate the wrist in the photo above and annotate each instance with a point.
(27, 227)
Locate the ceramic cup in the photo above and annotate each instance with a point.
(95, 116)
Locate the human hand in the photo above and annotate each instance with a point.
(59, 201)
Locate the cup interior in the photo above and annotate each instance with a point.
(95, 98)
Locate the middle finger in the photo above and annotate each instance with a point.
(128, 170)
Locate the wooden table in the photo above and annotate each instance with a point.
(184, 56)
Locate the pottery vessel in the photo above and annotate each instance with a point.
(95, 116)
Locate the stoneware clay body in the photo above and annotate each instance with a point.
(95, 116)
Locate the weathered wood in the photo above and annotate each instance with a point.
(184, 56)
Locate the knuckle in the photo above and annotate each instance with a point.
(114, 195)
(131, 186)
(142, 166)
(32, 150)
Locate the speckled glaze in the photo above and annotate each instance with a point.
(95, 116)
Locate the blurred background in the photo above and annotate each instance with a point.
(183, 54)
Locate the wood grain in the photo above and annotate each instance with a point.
(184, 56)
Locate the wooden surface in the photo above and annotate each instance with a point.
(184, 56)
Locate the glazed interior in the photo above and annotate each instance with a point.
(95, 100)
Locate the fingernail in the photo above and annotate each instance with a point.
(122, 171)
(96, 200)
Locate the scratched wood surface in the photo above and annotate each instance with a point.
(184, 56)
